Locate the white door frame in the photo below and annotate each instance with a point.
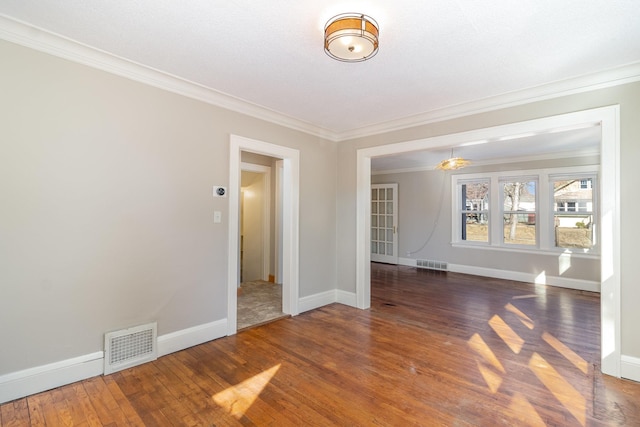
(266, 217)
(278, 222)
(290, 227)
(609, 120)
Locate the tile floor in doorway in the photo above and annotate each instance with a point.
(259, 302)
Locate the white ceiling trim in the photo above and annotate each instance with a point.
(506, 160)
(585, 83)
(42, 40)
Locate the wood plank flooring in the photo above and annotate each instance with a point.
(434, 349)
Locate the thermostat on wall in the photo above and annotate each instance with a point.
(219, 191)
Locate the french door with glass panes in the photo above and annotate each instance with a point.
(384, 223)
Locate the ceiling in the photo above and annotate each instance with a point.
(437, 58)
(579, 142)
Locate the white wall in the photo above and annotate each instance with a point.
(107, 208)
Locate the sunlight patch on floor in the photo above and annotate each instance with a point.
(569, 354)
(236, 400)
(487, 362)
(526, 321)
(508, 335)
(525, 411)
(566, 394)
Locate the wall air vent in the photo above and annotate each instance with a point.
(130, 347)
(430, 264)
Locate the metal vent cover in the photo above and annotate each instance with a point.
(130, 347)
(431, 264)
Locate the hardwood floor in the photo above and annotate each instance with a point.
(434, 349)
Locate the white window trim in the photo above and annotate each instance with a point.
(544, 210)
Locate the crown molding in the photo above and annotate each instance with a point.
(54, 44)
(585, 83)
(45, 41)
(500, 161)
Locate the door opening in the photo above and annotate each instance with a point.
(288, 232)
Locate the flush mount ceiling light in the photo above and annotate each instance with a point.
(453, 163)
(351, 37)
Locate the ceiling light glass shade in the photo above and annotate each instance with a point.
(453, 163)
(351, 37)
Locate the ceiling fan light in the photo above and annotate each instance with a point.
(351, 37)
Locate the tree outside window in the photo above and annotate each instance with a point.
(475, 211)
(519, 212)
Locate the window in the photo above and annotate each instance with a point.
(519, 212)
(548, 210)
(573, 215)
(474, 212)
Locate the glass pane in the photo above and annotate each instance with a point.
(389, 221)
(381, 248)
(389, 235)
(475, 196)
(374, 208)
(381, 208)
(389, 249)
(572, 196)
(520, 229)
(374, 194)
(574, 231)
(389, 193)
(389, 207)
(475, 227)
(374, 248)
(382, 194)
(519, 196)
(374, 220)
(374, 234)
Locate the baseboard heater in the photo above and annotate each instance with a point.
(130, 347)
(430, 264)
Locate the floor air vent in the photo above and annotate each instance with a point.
(130, 347)
(431, 264)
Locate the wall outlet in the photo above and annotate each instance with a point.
(219, 191)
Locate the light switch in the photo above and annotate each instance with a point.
(217, 217)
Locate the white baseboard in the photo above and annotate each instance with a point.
(19, 384)
(16, 385)
(630, 368)
(561, 282)
(409, 262)
(185, 338)
(346, 298)
(317, 300)
(325, 298)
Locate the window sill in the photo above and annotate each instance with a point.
(520, 249)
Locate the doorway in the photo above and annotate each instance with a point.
(608, 120)
(255, 222)
(288, 230)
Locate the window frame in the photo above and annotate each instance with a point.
(545, 238)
